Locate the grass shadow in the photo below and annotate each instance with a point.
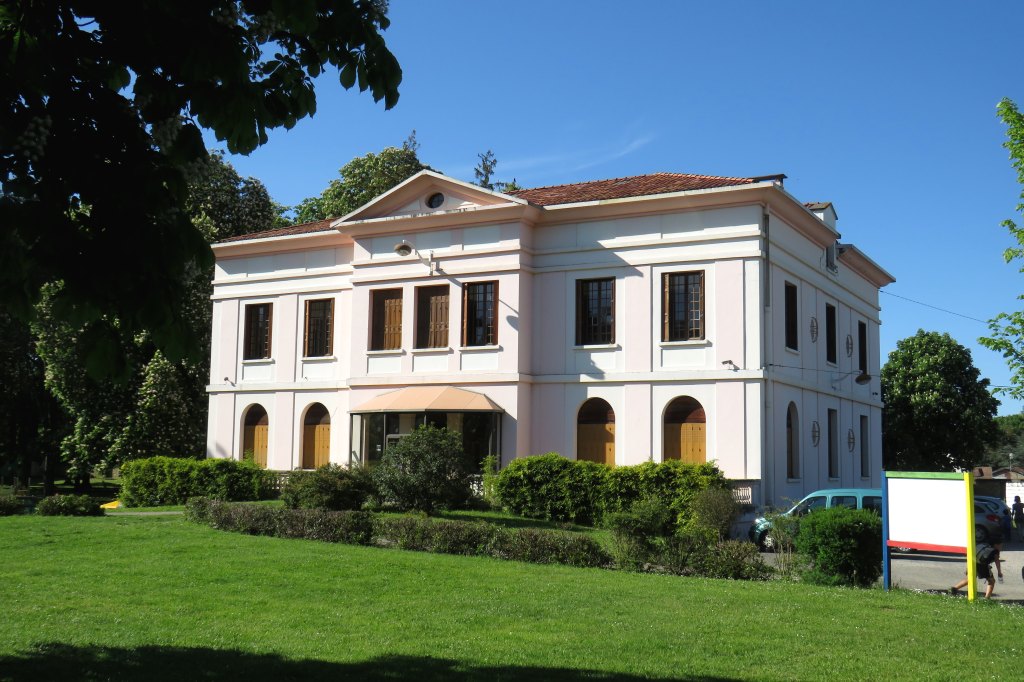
(55, 661)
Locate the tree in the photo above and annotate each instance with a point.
(938, 413)
(485, 169)
(362, 179)
(100, 115)
(161, 408)
(1007, 329)
(1009, 451)
(425, 470)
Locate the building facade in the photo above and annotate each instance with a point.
(657, 317)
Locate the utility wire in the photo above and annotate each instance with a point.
(935, 307)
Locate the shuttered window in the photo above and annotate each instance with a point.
(478, 303)
(386, 322)
(682, 306)
(258, 318)
(595, 311)
(432, 317)
(319, 332)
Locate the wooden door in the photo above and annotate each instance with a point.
(260, 440)
(596, 443)
(316, 445)
(692, 448)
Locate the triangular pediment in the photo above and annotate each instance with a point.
(428, 193)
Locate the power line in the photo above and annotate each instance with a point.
(935, 307)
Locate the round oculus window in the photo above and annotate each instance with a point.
(435, 200)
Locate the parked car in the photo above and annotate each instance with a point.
(854, 498)
(988, 521)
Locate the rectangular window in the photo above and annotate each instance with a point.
(595, 311)
(792, 318)
(862, 347)
(432, 317)
(386, 319)
(682, 306)
(319, 333)
(257, 331)
(831, 334)
(479, 300)
(865, 450)
(833, 444)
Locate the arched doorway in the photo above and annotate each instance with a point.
(685, 431)
(316, 437)
(595, 432)
(255, 434)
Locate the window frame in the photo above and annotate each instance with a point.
(791, 309)
(670, 324)
(865, 447)
(792, 442)
(327, 333)
(833, 444)
(431, 333)
(488, 317)
(831, 334)
(862, 346)
(258, 348)
(600, 334)
(379, 327)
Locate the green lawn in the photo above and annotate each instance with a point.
(157, 598)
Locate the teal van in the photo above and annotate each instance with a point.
(854, 498)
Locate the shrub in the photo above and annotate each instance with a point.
(672, 481)
(716, 509)
(540, 546)
(684, 553)
(843, 546)
(734, 560)
(168, 480)
(424, 534)
(425, 470)
(69, 505)
(11, 506)
(552, 487)
(331, 487)
(637, 533)
(489, 481)
(349, 527)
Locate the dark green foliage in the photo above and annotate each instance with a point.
(716, 509)
(639, 532)
(552, 487)
(100, 111)
(555, 488)
(68, 505)
(165, 480)
(540, 546)
(685, 552)
(362, 179)
(424, 534)
(424, 471)
(938, 410)
(330, 487)
(489, 481)
(348, 527)
(734, 560)
(843, 546)
(11, 506)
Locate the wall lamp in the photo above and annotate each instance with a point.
(404, 248)
(862, 378)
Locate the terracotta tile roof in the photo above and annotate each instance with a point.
(619, 188)
(817, 205)
(304, 228)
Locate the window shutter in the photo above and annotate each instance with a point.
(329, 350)
(305, 333)
(492, 323)
(270, 329)
(666, 308)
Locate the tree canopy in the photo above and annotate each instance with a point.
(938, 411)
(362, 179)
(1009, 451)
(100, 114)
(1007, 329)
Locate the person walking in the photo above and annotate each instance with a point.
(1018, 516)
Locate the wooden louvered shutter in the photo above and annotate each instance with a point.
(270, 329)
(439, 318)
(392, 320)
(329, 324)
(305, 333)
(666, 308)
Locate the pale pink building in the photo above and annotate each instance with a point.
(647, 318)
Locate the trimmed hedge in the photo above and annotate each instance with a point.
(555, 488)
(169, 480)
(330, 487)
(69, 505)
(404, 532)
(11, 506)
(843, 546)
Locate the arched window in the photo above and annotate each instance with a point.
(316, 437)
(595, 432)
(255, 435)
(685, 432)
(792, 442)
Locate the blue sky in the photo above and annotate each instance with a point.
(886, 109)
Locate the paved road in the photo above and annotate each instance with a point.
(937, 572)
